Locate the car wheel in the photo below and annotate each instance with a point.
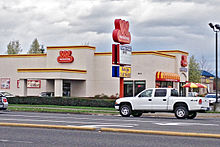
(125, 110)
(136, 114)
(192, 115)
(181, 112)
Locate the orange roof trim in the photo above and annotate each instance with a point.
(103, 54)
(153, 53)
(71, 47)
(51, 70)
(174, 52)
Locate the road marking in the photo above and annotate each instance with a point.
(4, 140)
(185, 124)
(96, 119)
(68, 122)
(110, 125)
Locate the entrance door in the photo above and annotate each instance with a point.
(66, 89)
(182, 91)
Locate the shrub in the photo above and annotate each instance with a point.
(62, 101)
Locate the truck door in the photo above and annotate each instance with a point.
(143, 100)
(160, 99)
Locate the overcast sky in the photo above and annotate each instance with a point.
(154, 24)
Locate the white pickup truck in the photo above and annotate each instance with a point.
(161, 100)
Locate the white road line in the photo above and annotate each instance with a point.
(185, 124)
(4, 140)
(96, 119)
(100, 126)
(68, 122)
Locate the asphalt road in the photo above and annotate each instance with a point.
(208, 123)
(26, 137)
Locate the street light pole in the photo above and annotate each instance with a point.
(216, 29)
(216, 57)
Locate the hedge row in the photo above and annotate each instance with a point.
(91, 102)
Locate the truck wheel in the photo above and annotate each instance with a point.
(136, 114)
(192, 115)
(181, 112)
(125, 110)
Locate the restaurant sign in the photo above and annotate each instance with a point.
(121, 32)
(65, 57)
(121, 71)
(121, 54)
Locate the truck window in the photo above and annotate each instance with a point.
(160, 93)
(147, 93)
(174, 93)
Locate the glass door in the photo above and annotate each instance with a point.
(66, 89)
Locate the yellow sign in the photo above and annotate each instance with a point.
(207, 81)
(125, 72)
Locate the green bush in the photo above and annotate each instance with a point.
(62, 101)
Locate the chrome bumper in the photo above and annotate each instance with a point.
(117, 106)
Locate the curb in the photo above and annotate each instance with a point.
(170, 133)
(47, 126)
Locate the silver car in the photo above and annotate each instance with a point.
(212, 98)
(6, 94)
(3, 102)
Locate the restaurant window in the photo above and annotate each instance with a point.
(128, 88)
(164, 84)
(139, 86)
(132, 88)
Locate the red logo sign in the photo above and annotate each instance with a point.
(65, 57)
(184, 61)
(121, 32)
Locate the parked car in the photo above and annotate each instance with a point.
(6, 94)
(212, 98)
(46, 94)
(3, 102)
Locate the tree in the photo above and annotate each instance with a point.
(194, 70)
(35, 47)
(204, 65)
(14, 47)
(42, 48)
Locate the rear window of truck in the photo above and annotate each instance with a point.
(160, 93)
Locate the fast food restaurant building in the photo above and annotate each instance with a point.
(80, 71)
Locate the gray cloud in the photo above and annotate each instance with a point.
(154, 24)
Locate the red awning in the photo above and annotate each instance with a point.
(166, 76)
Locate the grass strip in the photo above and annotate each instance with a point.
(56, 106)
(59, 110)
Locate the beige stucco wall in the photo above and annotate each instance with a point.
(10, 64)
(144, 67)
(96, 77)
(104, 82)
